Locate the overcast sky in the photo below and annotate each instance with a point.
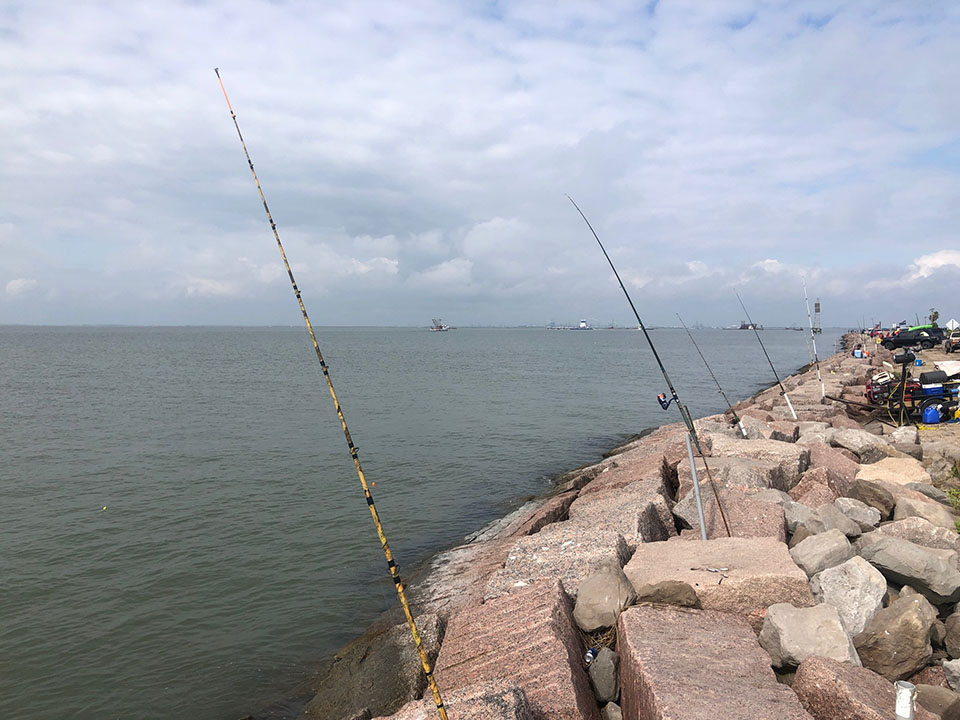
(415, 156)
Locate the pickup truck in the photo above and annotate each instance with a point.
(951, 341)
(925, 339)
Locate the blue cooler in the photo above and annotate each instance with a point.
(932, 389)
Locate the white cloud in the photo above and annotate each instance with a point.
(20, 285)
(925, 265)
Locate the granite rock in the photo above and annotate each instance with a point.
(862, 514)
(874, 495)
(855, 588)
(829, 517)
(493, 700)
(922, 532)
(790, 635)
(746, 516)
(896, 642)
(931, 511)
(602, 597)
(906, 563)
(822, 551)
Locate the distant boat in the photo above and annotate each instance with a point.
(794, 327)
(744, 325)
(438, 326)
(584, 325)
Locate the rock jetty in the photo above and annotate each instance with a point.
(840, 577)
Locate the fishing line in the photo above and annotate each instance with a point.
(783, 390)
(813, 338)
(743, 430)
(391, 565)
(664, 402)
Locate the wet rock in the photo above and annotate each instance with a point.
(790, 635)
(822, 551)
(664, 654)
(561, 550)
(896, 642)
(743, 576)
(940, 701)
(602, 597)
(746, 516)
(874, 495)
(668, 592)
(604, 677)
(900, 471)
(527, 638)
(862, 514)
(829, 517)
(831, 690)
(493, 700)
(933, 512)
(378, 673)
(855, 588)
(906, 563)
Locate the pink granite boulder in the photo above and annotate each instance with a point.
(681, 664)
(494, 700)
(526, 638)
(742, 576)
(746, 515)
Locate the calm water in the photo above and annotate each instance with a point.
(235, 547)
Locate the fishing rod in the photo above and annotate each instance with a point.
(813, 339)
(783, 390)
(391, 565)
(743, 430)
(664, 402)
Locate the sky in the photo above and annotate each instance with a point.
(416, 157)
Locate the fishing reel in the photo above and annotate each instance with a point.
(664, 400)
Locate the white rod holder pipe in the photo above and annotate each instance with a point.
(696, 490)
(790, 405)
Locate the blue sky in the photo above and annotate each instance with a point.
(416, 156)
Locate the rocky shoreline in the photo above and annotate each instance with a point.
(841, 575)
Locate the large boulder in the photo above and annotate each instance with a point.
(862, 514)
(639, 511)
(861, 443)
(831, 690)
(604, 675)
(743, 576)
(922, 532)
(562, 550)
(855, 588)
(602, 597)
(379, 672)
(875, 495)
(492, 700)
(796, 514)
(746, 516)
(790, 635)
(668, 592)
(678, 663)
(952, 639)
(737, 473)
(829, 517)
(792, 458)
(822, 551)
(951, 669)
(816, 478)
(527, 638)
(897, 470)
(922, 568)
(825, 456)
(933, 512)
(896, 642)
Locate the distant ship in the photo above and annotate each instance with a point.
(744, 325)
(584, 325)
(438, 326)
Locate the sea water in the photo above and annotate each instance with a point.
(182, 533)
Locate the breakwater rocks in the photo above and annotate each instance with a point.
(841, 575)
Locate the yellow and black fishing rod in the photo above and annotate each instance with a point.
(743, 430)
(391, 565)
(664, 402)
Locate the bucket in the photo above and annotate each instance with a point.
(919, 362)
(931, 416)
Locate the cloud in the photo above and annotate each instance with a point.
(19, 286)
(925, 265)
(415, 155)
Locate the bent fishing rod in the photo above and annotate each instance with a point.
(783, 390)
(743, 430)
(391, 565)
(664, 402)
(813, 339)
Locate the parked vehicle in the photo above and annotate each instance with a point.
(951, 341)
(925, 339)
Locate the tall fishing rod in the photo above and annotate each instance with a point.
(783, 390)
(664, 403)
(743, 430)
(813, 339)
(391, 565)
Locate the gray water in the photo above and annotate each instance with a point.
(182, 532)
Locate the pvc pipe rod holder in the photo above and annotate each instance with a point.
(696, 490)
(906, 699)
